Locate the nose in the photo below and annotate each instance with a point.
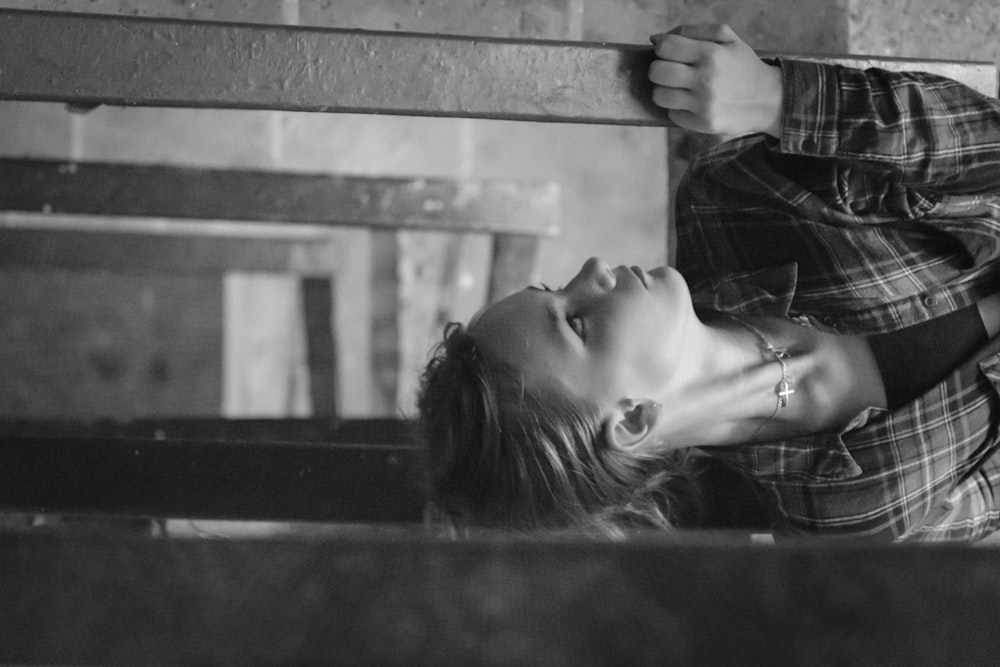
(596, 272)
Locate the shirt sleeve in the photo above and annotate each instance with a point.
(909, 128)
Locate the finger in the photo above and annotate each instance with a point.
(673, 98)
(681, 49)
(671, 74)
(720, 33)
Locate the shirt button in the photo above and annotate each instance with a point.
(930, 300)
(808, 144)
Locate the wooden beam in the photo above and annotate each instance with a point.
(404, 599)
(151, 191)
(376, 431)
(321, 358)
(159, 254)
(95, 59)
(209, 478)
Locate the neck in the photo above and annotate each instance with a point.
(730, 392)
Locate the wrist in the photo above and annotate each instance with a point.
(771, 123)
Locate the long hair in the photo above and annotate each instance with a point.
(500, 453)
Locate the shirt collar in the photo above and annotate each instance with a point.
(759, 292)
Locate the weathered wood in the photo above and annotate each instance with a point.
(104, 344)
(265, 370)
(386, 323)
(95, 216)
(317, 304)
(94, 59)
(381, 431)
(406, 600)
(210, 479)
(513, 265)
(440, 279)
(161, 254)
(90, 188)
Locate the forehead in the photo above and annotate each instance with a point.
(523, 330)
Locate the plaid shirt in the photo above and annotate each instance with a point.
(878, 208)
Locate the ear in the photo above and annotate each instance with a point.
(633, 424)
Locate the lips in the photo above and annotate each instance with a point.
(640, 274)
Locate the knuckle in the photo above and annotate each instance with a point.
(676, 39)
(657, 71)
(666, 46)
(710, 58)
(723, 32)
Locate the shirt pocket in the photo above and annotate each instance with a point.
(969, 509)
(819, 458)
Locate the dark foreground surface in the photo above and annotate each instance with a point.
(398, 596)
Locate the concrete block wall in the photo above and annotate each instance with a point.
(959, 29)
(64, 354)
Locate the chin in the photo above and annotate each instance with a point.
(671, 277)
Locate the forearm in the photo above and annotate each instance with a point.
(919, 130)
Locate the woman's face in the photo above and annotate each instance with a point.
(608, 334)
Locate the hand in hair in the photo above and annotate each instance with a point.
(711, 81)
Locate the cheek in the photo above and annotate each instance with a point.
(650, 345)
(637, 345)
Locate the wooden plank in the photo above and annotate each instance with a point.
(265, 370)
(162, 254)
(317, 304)
(399, 599)
(104, 344)
(378, 431)
(437, 282)
(386, 321)
(513, 265)
(108, 189)
(743, 510)
(95, 59)
(125, 60)
(320, 466)
(199, 220)
(210, 479)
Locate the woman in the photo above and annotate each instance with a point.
(830, 334)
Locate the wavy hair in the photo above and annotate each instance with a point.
(502, 454)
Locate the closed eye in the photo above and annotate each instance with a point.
(576, 324)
